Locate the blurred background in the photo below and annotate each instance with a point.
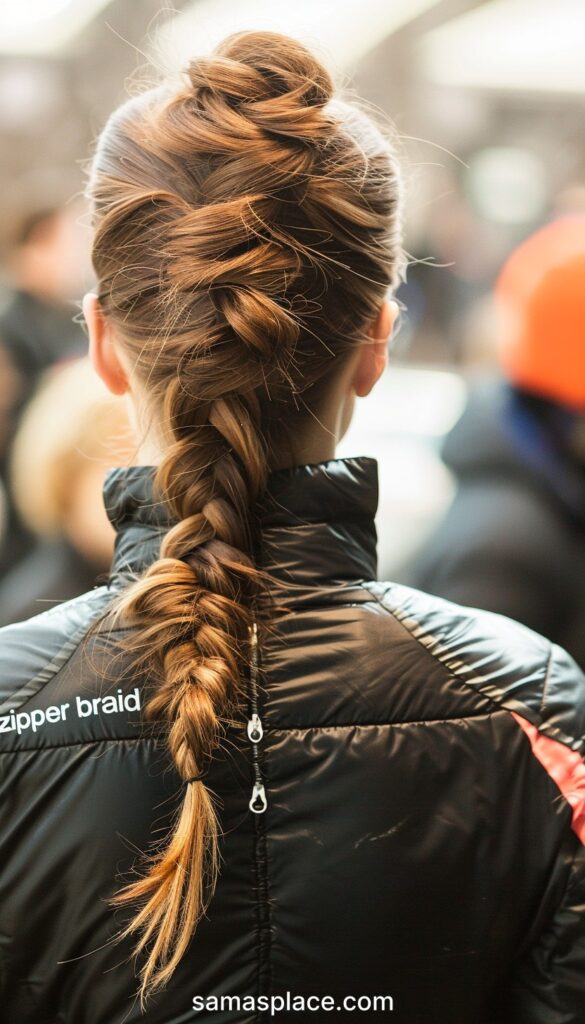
(486, 99)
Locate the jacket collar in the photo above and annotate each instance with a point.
(314, 523)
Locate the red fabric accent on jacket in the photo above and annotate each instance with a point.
(565, 767)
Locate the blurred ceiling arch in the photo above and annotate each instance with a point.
(511, 45)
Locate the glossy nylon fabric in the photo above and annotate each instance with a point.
(412, 846)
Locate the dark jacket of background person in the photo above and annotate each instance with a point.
(413, 844)
(37, 334)
(513, 540)
(51, 573)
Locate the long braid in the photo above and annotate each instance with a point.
(245, 233)
(194, 606)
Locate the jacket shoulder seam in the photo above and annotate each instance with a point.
(475, 683)
(547, 678)
(465, 673)
(57, 661)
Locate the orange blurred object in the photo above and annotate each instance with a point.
(540, 298)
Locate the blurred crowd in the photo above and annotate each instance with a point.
(59, 427)
(511, 540)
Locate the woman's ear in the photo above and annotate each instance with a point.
(102, 351)
(373, 357)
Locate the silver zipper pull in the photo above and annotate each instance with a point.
(258, 802)
(255, 730)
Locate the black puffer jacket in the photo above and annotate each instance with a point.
(414, 844)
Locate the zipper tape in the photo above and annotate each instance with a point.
(258, 802)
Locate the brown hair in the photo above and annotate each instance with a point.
(245, 234)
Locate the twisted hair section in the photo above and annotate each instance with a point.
(246, 231)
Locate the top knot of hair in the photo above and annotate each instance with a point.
(252, 68)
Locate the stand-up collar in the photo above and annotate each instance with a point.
(315, 523)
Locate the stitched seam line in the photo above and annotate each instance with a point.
(51, 669)
(80, 743)
(270, 727)
(479, 682)
(547, 678)
(476, 683)
(383, 724)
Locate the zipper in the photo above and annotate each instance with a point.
(258, 802)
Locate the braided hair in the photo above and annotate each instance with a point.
(245, 234)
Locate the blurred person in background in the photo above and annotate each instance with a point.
(71, 431)
(308, 783)
(37, 329)
(513, 540)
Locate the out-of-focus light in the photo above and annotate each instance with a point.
(413, 402)
(42, 26)
(511, 45)
(30, 92)
(400, 424)
(507, 184)
(28, 13)
(343, 29)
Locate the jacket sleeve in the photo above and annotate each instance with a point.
(548, 979)
(548, 984)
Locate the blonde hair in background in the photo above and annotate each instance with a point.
(71, 419)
